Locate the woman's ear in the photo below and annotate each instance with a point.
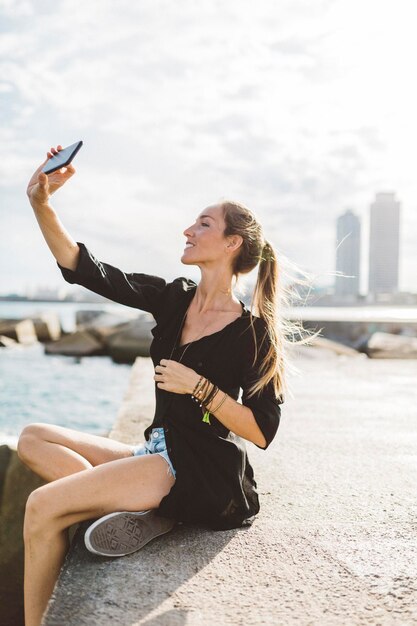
(234, 242)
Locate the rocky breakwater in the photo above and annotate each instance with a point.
(119, 336)
(124, 338)
(389, 346)
(97, 333)
(16, 483)
(378, 339)
(45, 327)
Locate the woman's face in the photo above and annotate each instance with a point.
(206, 237)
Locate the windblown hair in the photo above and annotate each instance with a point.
(270, 297)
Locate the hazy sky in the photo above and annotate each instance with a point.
(298, 108)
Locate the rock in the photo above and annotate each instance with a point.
(5, 453)
(18, 482)
(84, 316)
(105, 324)
(334, 346)
(361, 342)
(47, 326)
(134, 340)
(6, 342)
(21, 330)
(389, 346)
(85, 320)
(80, 343)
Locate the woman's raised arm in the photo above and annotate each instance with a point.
(77, 263)
(40, 188)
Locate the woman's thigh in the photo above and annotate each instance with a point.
(131, 484)
(95, 448)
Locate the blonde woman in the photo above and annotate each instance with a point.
(207, 347)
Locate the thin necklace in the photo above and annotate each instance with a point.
(205, 412)
(190, 342)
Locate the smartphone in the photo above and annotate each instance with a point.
(62, 158)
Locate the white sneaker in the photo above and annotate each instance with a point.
(124, 532)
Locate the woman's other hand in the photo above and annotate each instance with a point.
(41, 186)
(175, 377)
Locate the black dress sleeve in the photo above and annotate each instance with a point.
(140, 291)
(265, 405)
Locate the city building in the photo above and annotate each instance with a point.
(384, 244)
(348, 255)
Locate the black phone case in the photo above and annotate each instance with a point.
(63, 158)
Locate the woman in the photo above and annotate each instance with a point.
(206, 347)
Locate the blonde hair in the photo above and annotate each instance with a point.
(269, 297)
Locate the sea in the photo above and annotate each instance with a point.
(86, 393)
(81, 393)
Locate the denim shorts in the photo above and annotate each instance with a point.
(156, 444)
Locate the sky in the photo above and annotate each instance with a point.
(299, 109)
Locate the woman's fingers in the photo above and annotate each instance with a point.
(66, 172)
(70, 169)
(41, 166)
(42, 180)
(41, 186)
(53, 150)
(34, 177)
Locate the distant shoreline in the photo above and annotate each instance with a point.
(317, 304)
(71, 301)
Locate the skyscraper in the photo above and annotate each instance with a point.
(348, 254)
(384, 244)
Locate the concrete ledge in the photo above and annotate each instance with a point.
(334, 542)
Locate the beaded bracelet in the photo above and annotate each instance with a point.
(197, 385)
(204, 390)
(203, 393)
(200, 390)
(205, 399)
(206, 417)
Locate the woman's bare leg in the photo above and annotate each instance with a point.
(53, 452)
(129, 484)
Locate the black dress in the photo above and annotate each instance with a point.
(215, 483)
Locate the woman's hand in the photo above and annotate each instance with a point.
(41, 186)
(175, 377)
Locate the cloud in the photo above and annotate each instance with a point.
(179, 105)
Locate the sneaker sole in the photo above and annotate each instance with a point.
(124, 532)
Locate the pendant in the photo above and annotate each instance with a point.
(206, 417)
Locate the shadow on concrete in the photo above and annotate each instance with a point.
(126, 590)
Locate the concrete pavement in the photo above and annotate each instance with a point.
(335, 540)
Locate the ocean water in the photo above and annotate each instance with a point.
(81, 393)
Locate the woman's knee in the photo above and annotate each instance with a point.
(29, 437)
(37, 513)
(38, 429)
